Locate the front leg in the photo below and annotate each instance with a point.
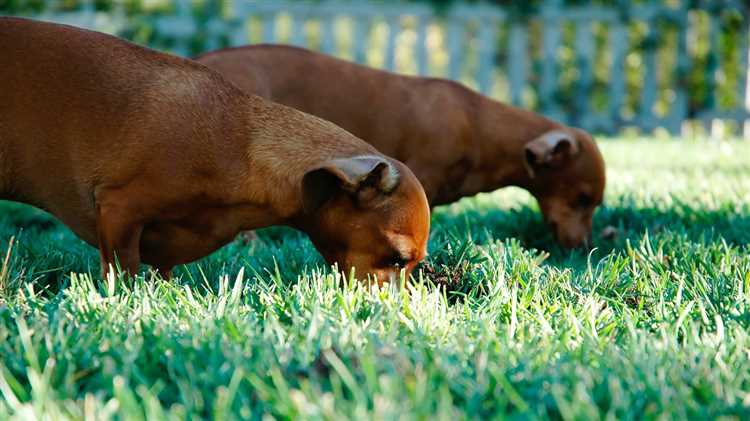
(119, 234)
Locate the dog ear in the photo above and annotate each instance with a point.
(359, 176)
(552, 150)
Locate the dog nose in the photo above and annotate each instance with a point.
(569, 240)
(553, 226)
(393, 275)
(575, 241)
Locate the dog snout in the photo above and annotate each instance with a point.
(585, 243)
(379, 275)
(574, 238)
(392, 275)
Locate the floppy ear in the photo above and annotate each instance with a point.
(552, 150)
(352, 175)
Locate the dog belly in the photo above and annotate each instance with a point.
(167, 244)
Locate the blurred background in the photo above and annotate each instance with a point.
(659, 67)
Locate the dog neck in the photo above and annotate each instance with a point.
(500, 133)
(285, 145)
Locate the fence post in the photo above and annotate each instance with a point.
(455, 47)
(584, 49)
(550, 44)
(517, 62)
(487, 41)
(179, 27)
(679, 110)
(618, 39)
(421, 45)
(361, 35)
(648, 92)
(239, 35)
(269, 27)
(394, 27)
(744, 98)
(241, 16)
(712, 72)
(328, 40)
(298, 30)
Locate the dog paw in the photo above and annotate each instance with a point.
(608, 233)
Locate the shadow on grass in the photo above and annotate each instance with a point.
(47, 252)
(626, 223)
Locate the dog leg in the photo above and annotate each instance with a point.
(119, 238)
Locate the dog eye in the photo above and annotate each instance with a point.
(584, 200)
(397, 261)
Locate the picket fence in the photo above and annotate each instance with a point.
(482, 46)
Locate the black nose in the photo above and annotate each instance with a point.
(553, 227)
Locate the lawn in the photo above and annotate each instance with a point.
(654, 321)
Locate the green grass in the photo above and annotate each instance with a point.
(652, 323)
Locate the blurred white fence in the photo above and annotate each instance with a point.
(572, 64)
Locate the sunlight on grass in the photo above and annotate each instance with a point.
(499, 321)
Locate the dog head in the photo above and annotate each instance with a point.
(368, 212)
(567, 178)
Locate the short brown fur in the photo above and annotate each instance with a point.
(158, 159)
(456, 141)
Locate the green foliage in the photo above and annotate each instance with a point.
(711, 72)
(651, 323)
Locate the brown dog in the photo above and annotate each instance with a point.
(158, 159)
(456, 141)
